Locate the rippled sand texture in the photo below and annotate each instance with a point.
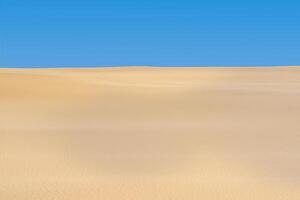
(150, 133)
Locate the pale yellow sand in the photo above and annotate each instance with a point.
(150, 133)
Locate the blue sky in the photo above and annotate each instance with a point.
(78, 33)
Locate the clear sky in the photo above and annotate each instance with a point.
(78, 33)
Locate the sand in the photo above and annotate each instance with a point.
(150, 133)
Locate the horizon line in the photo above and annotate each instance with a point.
(154, 66)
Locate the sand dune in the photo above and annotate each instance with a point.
(150, 133)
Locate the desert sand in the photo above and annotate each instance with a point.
(150, 133)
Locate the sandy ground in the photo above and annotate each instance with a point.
(150, 133)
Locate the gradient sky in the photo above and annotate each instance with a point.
(75, 33)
